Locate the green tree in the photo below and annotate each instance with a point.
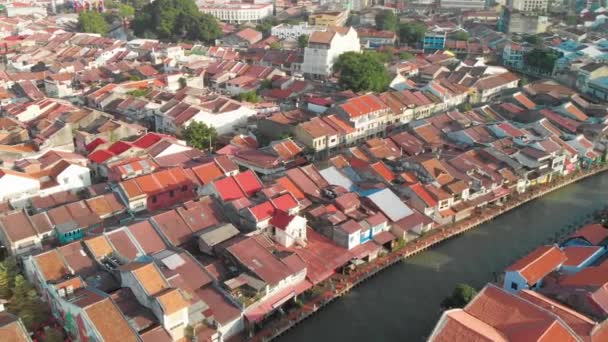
(52, 335)
(460, 297)
(126, 11)
(248, 96)
(8, 271)
(92, 22)
(411, 33)
(362, 72)
(176, 19)
(138, 5)
(21, 290)
(461, 35)
(386, 21)
(302, 41)
(138, 92)
(465, 107)
(182, 82)
(266, 84)
(542, 60)
(405, 55)
(534, 40)
(199, 135)
(571, 20)
(275, 45)
(266, 25)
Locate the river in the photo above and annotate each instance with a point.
(402, 302)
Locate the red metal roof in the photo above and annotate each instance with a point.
(100, 156)
(249, 182)
(285, 202)
(281, 219)
(228, 189)
(262, 211)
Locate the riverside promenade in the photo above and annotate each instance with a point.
(339, 285)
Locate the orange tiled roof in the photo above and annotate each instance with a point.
(150, 278)
(539, 263)
(99, 246)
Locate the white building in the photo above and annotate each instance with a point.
(289, 229)
(537, 6)
(220, 112)
(238, 12)
(325, 47)
(17, 187)
(464, 4)
(224, 122)
(23, 9)
(292, 32)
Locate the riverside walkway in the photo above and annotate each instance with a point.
(339, 285)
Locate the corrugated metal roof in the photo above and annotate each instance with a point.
(335, 177)
(390, 204)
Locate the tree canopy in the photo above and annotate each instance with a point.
(571, 20)
(362, 72)
(386, 21)
(541, 60)
(23, 299)
(460, 297)
(302, 41)
(534, 40)
(92, 22)
(199, 135)
(248, 96)
(461, 35)
(176, 19)
(411, 33)
(405, 55)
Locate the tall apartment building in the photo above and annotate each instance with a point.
(464, 4)
(324, 48)
(529, 6)
(237, 13)
(292, 32)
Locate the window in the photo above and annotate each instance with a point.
(153, 199)
(172, 193)
(514, 286)
(184, 188)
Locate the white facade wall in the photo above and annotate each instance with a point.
(292, 32)
(514, 282)
(224, 122)
(30, 113)
(296, 229)
(319, 59)
(239, 12)
(15, 188)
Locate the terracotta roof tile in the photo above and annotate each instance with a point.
(172, 301)
(109, 322)
(51, 265)
(149, 277)
(538, 263)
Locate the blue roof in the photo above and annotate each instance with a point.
(365, 192)
(600, 81)
(568, 45)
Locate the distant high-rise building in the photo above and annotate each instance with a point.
(529, 6)
(464, 4)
